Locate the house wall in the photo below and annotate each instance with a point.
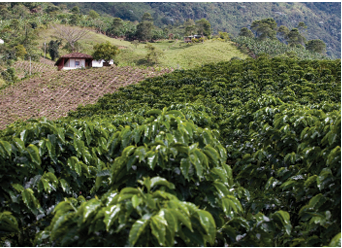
(71, 63)
(99, 63)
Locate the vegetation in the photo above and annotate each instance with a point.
(324, 18)
(240, 153)
(105, 51)
(237, 151)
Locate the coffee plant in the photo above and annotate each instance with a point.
(241, 153)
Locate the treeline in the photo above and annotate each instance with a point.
(268, 29)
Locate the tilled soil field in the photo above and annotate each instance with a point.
(54, 93)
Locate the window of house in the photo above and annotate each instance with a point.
(77, 63)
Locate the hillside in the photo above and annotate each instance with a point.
(244, 153)
(323, 19)
(54, 93)
(176, 53)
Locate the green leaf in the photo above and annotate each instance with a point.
(65, 186)
(18, 187)
(20, 144)
(30, 201)
(223, 190)
(197, 163)
(8, 223)
(284, 217)
(182, 218)
(230, 203)
(90, 207)
(136, 200)
(185, 166)
(6, 147)
(111, 214)
(152, 159)
(157, 225)
(335, 241)
(212, 154)
(208, 223)
(161, 181)
(137, 228)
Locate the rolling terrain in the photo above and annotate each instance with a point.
(323, 19)
(54, 93)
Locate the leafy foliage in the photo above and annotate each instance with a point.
(243, 153)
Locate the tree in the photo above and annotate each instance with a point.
(105, 51)
(154, 54)
(93, 14)
(71, 35)
(20, 51)
(75, 19)
(53, 48)
(283, 31)
(294, 38)
(116, 28)
(224, 36)
(317, 46)
(246, 32)
(203, 27)
(75, 10)
(147, 17)
(302, 28)
(265, 28)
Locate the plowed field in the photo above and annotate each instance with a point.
(54, 93)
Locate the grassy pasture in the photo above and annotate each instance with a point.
(177, 54)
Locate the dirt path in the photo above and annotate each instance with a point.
(54, 93)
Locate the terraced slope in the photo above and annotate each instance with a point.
(22, 68)
(53, 93)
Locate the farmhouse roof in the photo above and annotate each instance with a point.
(74, 56)
(77, 56)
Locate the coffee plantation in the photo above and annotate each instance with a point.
(238, 153)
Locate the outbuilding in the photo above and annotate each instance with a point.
(74, 61)
(101, 63)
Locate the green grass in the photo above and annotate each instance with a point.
(177, 54)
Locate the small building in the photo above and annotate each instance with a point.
(188, 39)
(101, 63)
(74, 61)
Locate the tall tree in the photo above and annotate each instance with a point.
(145, 27)
(265, 28)
(246, 32)
(93, 14)
(203, 26)
(317, 46)
(71, 35)
(294, 38)
(53, 48)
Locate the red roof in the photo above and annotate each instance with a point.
(77, 56)
(74, 56)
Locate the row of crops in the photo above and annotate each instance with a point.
(54, 93)
(240, 153)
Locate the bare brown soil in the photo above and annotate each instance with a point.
(54, 93)
(22, 68)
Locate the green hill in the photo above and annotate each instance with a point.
(176, 53)
(323, 19)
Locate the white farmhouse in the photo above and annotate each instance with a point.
(74, 61)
